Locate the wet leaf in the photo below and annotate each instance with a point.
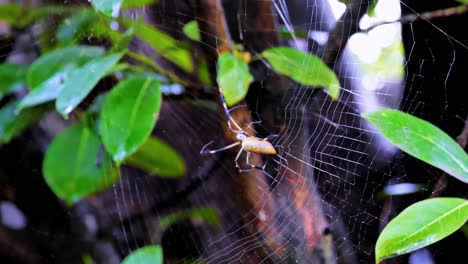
(303, 68)
(422, 140)
(110, 8)
(12, 76)
(76, 166)
(234, 77)
(157, 157)
(165, 45)
(207, 214)
(82, 80)
(192, 31)
(13, 122)
(128, 115)
(420, 225)
(145, 255)
(54, 62)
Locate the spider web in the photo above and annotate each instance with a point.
(345, 164)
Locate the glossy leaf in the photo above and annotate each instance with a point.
(145, 255)
(110, 8)
(192, 31)
(82, 80)
(157, 157)
(420, 225)
(13, 122)
(165, 45)
(46, 91)
(12, 76)
(422, 140)
(48, 65)
(207, 214)
(76, 165)
(234, 77)
(303, 68)
(128, 115)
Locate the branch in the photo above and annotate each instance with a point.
(426, 16)
(345, 27)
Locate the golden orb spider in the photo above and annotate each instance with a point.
(249, 144)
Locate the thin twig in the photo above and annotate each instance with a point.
(426, 16)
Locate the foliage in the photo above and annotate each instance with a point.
(12, 76)
(422, 140)
(127, 117)
(427, 221)
(234, 77)
(170, 165)
(145, 255)
(420, 225)
(192, 31)
(74, 173)
(303, 68)
(207, 214)
(116, 129)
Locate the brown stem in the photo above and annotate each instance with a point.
(294, 180)
(251, 185)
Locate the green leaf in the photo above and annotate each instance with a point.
(54, 62)
(10, 12)
(206, 214)
(16, 15)
(12, 122)
(110, 8)
(137, 3)
(72, 27)
(47, 75)
(303, 68)
(192, 31)
(420, 225)
(234, 77)
(82, 80)
(128, 115)
(157, 157)
(422, 140)
(12, 76)
(76, 165)
(165, 45)
(462, 1)
(45, 11)
(145, 255)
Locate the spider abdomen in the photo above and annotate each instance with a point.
(258, 146)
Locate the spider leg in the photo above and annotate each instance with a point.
(253, 123)
(229, 119)
(205, 151)
(236, 160)
(247, 161)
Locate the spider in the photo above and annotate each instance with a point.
(249, 144)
